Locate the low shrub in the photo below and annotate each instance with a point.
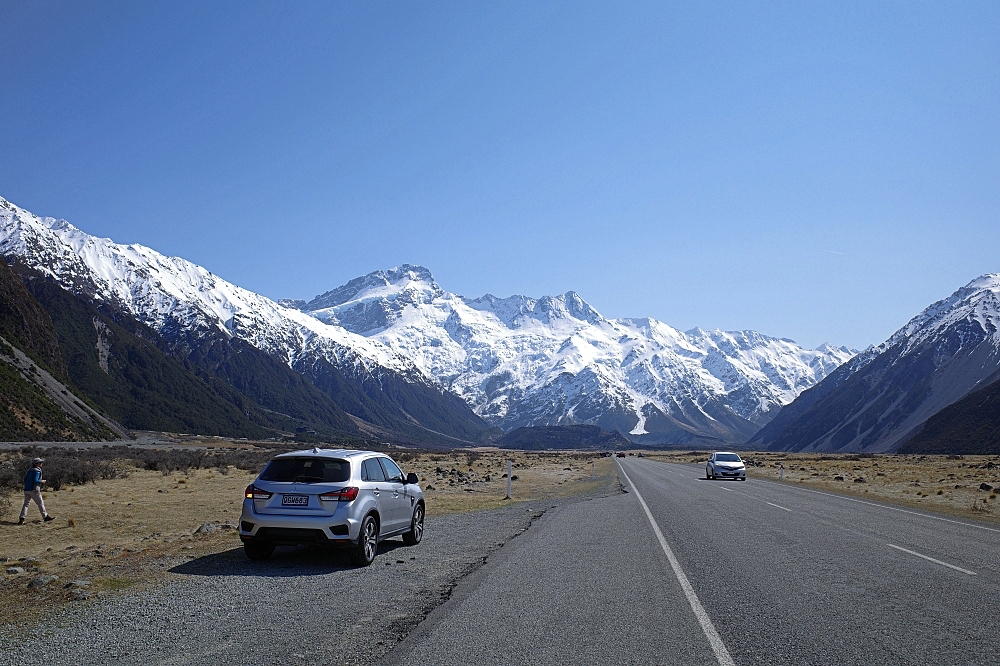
(69, 466)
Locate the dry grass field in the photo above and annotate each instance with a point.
(962, 486)
(115, 534)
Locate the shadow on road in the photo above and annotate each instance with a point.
(287, 561)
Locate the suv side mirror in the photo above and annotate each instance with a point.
(412, 478)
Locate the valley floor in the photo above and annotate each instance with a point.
(125, 575)
(131, 532)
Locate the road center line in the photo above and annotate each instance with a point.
(931, 559)
(892, 508)
(728, 490)
(875, 504)
(779, 507)
(718, 647)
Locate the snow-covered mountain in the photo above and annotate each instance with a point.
(398, 337)
(555, 360)
(194, 309)
(165, 292)
(883, 396)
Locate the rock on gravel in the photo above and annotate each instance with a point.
(15, 570)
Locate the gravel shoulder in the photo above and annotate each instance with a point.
(304, 606)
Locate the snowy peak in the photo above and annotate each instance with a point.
(517, 311)
(371, 303)
(408, 278)
(886, 394)
(174, 295)
(556, 360)
(975, 307)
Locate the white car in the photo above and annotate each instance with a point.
(725, 465)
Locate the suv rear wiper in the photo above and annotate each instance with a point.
(308, 479)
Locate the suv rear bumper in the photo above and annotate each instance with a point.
(287, 529)
(287, 536)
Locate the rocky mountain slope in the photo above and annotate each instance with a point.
(523, 361)
(541, 438)
(884, 396)
(970, 426)
(282, 359)
(35, 403)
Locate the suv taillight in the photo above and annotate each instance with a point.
(253, 492)
(344, 494)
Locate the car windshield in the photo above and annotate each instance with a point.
(307, 470)
(728, 457)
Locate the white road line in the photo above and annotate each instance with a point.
(880, 506)
(718, 647)
(892, 508)
(728, 490)
(779, 507)
(931, 559)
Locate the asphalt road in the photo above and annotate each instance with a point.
(740, 573)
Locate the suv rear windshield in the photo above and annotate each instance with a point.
(307, 470)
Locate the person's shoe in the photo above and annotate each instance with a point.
(48, 518)
(20, 521)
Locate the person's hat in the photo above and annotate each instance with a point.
(36, 461)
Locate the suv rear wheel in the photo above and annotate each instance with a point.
(364, 553)
(416, 533)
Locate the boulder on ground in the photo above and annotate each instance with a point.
(42, 581)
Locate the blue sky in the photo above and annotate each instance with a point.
(818, 171)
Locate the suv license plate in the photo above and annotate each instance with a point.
(294, 500)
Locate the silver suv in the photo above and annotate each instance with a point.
(332, 497)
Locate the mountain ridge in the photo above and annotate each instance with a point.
(555, 360)
(190, 308)
(886, 395)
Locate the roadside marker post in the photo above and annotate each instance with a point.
(510, 465)
(781, 471)
(591, 469)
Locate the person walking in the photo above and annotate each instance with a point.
(33, 491)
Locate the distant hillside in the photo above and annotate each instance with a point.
(563, 437)
(884, 396)
(121, 366)
(26, 324)
(35, 403)
(970, 426)
(36, 407)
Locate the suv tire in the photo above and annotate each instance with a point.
(258, 550)
(364, 553)
(416, 533)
